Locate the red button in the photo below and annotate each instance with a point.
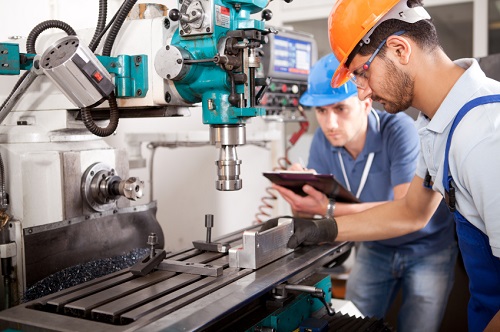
(284, 88)
(263, 101)
(97, 76)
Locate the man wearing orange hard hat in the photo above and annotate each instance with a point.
(391, 51)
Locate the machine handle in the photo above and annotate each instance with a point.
(280, 293)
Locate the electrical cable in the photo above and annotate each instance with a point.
(45, 25)
(114, 114)
(115, 28)
(101, 24)
(93, 46)
(265, 209)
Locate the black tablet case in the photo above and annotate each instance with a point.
(325, 183)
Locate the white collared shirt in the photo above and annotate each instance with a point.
(474, 153)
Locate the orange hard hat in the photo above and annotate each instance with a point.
(352, 22)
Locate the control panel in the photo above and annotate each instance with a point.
(281, 99)
(287, 58)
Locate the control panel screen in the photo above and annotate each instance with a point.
(292, 56)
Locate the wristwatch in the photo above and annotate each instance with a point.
(330, 210)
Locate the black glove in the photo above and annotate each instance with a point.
(312, 231)
(307, 231)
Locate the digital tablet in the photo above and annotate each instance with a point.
(325, 183)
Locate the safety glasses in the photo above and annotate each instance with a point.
(359, 76)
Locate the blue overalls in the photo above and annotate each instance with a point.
(482, 267)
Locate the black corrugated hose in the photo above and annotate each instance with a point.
(113, 119)
(122, 15)
(114, 114)
(101, 23)
(30, 42)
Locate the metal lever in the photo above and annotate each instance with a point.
(22, 85)
(280, 292)
(262, 90)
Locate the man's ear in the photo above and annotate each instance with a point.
(367, 105)
(400, 47)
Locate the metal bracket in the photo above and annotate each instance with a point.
(12, 61)
(148, 263)
(192, 268)
(208, 245)
(258, 249)
(211, 246)
(8, 250)
(131, 74)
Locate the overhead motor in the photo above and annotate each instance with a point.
(72, 66)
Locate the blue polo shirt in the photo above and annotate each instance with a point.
(396, 148)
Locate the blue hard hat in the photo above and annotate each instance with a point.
(319, 91)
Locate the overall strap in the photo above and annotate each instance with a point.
(447, 178)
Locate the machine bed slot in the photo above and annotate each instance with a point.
(82, 307)
(110, 312)
(122, 298)
(56, 304)
(156, 309)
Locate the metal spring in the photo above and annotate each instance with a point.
(268, 201)
(283, 163)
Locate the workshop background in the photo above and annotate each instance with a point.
(174, 159)
(466, 29)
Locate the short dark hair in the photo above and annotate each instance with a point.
(423, 33)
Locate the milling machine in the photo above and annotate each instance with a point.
(65, 193)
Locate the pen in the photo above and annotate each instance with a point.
(301, 162)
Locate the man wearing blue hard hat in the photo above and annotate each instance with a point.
(374, 155)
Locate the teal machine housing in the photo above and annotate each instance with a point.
(210, 82)
(212, 59)
(303, 306)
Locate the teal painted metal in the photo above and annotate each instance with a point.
(207, 82)
(229, 113)
(131, 74)
(289, 318)
(131, 71)
(11, 61)
(242, 18)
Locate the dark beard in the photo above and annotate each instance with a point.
(399, 87)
